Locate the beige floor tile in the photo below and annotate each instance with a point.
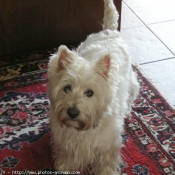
(162, 75)
(166, 33)
(153, 11)
(144, 45)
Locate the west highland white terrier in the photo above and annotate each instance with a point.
(91, 90)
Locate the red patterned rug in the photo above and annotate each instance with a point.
(149, 137)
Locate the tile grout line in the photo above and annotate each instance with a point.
(148, 27)
(157, 61)
(161, 22)
(160, 40)
(134, 13)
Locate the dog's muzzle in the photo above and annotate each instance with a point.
(73, 112)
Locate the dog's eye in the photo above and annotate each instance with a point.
(67, 88)
(89, 93)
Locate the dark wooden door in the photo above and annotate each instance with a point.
(27, 25)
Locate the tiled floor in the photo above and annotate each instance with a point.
(148, 27)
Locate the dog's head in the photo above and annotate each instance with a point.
(79, 90)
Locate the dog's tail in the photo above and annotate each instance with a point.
(110, 19)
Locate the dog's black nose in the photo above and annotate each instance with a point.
(73, 112)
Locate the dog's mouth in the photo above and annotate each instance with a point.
(76, 124)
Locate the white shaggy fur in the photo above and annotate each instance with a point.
(91, 90)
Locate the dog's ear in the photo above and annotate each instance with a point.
(65, 57)
(103, 65)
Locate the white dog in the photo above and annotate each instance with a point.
(91, 90)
